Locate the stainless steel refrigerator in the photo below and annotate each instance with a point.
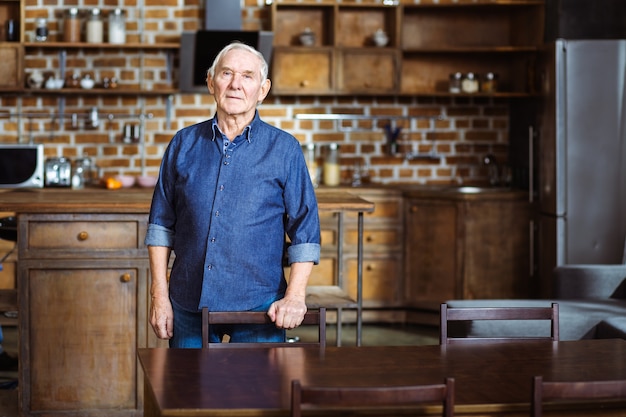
(582, 156)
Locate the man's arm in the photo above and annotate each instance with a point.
(161, 314)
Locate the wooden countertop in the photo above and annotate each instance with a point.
(137, 200)
(132, 200)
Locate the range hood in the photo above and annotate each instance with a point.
(222, 26)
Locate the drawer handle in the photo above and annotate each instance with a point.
(125, 278)
(369, 238)
(82, 236)
(414, 209)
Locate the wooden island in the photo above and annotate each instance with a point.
(83, 297)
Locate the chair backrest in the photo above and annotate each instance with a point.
(574, 390)
(312, 317)
(379, 396)
(448, 314)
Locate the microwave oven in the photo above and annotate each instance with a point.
(21, 166)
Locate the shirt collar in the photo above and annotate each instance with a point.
(247, 131)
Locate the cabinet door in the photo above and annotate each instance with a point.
(10, 66)
(497, 250)
(79, 352)
(431, 251)
(368, 71)
(300, 70)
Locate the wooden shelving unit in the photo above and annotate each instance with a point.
(427, 42)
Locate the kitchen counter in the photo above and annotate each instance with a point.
(133, 200)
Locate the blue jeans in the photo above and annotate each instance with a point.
(188, 330)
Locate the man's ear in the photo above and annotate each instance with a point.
(265, 89)
(209, 83)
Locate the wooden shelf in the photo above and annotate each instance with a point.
(120, 91)
(85, 45)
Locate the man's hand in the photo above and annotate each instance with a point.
(287, 313)
(162, 317)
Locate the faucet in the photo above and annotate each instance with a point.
(491, 163)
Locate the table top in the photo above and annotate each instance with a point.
(133, 200)
(488, 376)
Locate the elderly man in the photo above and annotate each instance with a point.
(229, 190)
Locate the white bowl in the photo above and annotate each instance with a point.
(54, 83)
(146, 181)
(87, 83)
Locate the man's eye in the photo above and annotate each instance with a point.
(227, 73)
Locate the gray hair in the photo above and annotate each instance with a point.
(242, 46)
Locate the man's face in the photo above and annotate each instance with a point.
(236, 84)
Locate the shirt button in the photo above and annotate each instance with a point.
(221, 188)
(217, 213)
(212, 240)
(209, 267)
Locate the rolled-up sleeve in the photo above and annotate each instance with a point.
(159, 236)
(304, 252)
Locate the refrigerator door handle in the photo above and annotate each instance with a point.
(531, 161)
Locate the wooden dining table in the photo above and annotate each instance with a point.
(491, 379)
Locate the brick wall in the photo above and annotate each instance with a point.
(468, 129)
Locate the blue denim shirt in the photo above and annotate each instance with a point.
(224, 208)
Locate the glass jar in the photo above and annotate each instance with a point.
(331, 170)
(490, 83)
(41, 29)
(455, 82)
(470, 83)
(94, 27)
(311, 157)
(117, 26)
(71, 26)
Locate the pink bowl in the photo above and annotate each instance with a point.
(147, 181)
(126, 180)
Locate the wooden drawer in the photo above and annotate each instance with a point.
(382, 280)
(385, 209)
(386, 237)
(54, 236)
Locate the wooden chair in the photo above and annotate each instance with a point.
(576, 390)
(448, 314)
(314, 317)
(379, 396)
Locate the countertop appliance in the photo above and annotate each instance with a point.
(58, 172)
(582, 156)
(21, 166)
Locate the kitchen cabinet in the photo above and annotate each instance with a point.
(466, 246)
(426, 43)
(11, 53)
(382, 248)
(83, 313)
(501, 37)
(343, 58)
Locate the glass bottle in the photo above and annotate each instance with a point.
(331, 171)
(117, 26)
(71, 26)
(470, 83)
(490, 83)
(455, 82)
(94, 27)
(41, 29)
